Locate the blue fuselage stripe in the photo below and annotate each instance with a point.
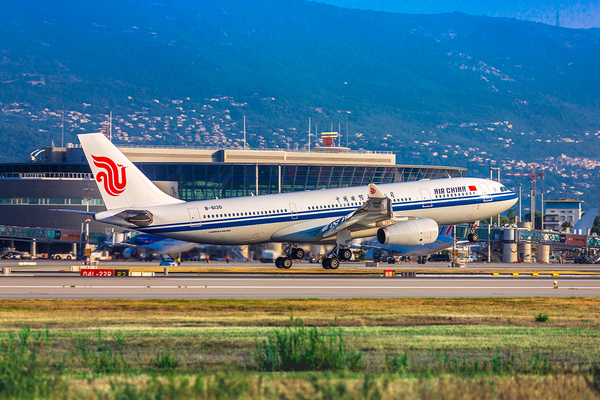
(234, 222)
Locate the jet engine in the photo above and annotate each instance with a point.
(409, 233)
(372, 255)
(132, 252)
(129, 252)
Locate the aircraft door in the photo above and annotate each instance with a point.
(194, 216)
(426, 198)
(486, 192)
(293, 211)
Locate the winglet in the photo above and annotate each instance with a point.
(374, 192)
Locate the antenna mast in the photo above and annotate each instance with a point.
(62, 136)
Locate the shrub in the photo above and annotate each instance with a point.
(541, 317)
(166, 361)
(299, 348)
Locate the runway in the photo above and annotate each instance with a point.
(249, 287)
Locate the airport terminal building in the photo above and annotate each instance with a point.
(61, 178)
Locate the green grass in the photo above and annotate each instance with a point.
(162, 349)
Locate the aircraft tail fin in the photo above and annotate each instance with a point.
(586, 222)
(120, 182)
(446, 230)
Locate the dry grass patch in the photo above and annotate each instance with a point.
(82, 314)
(326, 386)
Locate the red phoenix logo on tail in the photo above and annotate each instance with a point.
(113, 176)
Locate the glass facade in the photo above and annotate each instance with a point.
(223, 180)
(209, 180)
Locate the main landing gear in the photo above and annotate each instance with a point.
(473, 236)
(332, 259)
(292, 253)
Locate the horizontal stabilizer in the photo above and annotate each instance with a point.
(74, 211)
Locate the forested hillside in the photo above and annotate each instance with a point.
(446, 89)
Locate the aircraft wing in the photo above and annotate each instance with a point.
(376, 208)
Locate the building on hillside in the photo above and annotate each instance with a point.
(557, 212)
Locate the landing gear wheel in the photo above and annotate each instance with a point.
(326, 263)
(345, 254)
(286, 263)
(298, 253)
(334, 263)
(473, 237)
(279, 262)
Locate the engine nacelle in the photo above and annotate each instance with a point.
(414, 232)
(372, 255)
(129, 252)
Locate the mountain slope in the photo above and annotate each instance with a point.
(446, 80)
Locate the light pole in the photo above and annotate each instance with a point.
(520, 185)
(347, 113)
(87, 224)
(498, 169)
(542, 192)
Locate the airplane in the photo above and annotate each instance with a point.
(374, 250)
(404, 213)
(145, 246)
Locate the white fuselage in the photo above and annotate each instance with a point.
(299, 216)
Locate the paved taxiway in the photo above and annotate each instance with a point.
(48, 280)
(248, 287)
(58, 265)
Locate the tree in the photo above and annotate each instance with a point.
(596, 226)
(566, 224)
(538, 219)
(511, 215)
